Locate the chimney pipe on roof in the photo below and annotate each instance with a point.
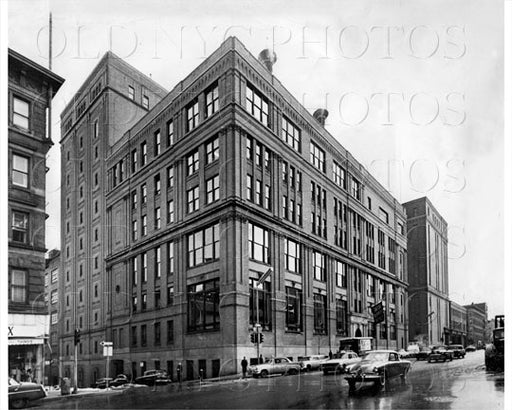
(267, 58)
(320, 115)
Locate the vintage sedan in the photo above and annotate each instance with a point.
(313, 362)
(120, 380)
(152, 377)
(377, 367)
(440, 353)
(275, 365)
(340, 362)
(458, 351)
(21, 393)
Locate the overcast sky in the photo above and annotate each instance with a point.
(414, 90)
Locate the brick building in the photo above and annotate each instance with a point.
(427, 246)
(458, 324)
(51, 283)
(112, 99)
(31, 88)
(477, 323)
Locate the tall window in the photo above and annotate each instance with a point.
(193, 162)
(259, 302)
(20, 171)
(341, 274)
(134, 336)
(170, 332)
(341, 317)
(170, 258)
(157, 333)
(391, 255)
(192, 115)
(18, 286)
(320, 313)
(170, 133)
(158, 186)
(144, 225)
(268, 202)
(319, 266)
(144, 258)
(19, 226)
(158, 262)
(143, 193)
(203, 246)
(249, 150)
(256, 104)
(170, 295)
(193, 199)
(212, 100)
(293, 309)
(170, 176)
(339, 175)
(258, 243)
(143, 153)
(145, 101)
(292, 254)
(170, 211)
(135, 271)
(317, 156)
(212, 189)
(143, 335)
(21, 113)
(158, 145)
(381, 249)
(131, 93)
(250, 191)
(203, 306)
(134, 231)
(212, 150)
(134, 161)
(355, 190)
(291, 134)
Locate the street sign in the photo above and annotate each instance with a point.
(378, 312)
(264, 276)
(107, 351)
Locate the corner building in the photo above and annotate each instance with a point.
(226, 178)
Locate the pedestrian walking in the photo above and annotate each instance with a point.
(261, 359)
(330, 354)
(244, 367)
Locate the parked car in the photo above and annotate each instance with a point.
(423, 353)
(152, 377)
(470, 348)
(377, 367)
(340, 362)
(22, 393)
(118, 381)
(458, 351)
(313, 362)
(275, 365)
(440, 353)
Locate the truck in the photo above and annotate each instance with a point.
(359, 345)
(495, 351)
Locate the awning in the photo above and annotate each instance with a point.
(24, 341)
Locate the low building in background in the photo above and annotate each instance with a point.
(458, 324)
(477, 324)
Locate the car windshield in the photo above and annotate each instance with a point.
(377, 356)
(13, 382)
(499, 333)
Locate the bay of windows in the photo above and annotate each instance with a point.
(193, 162)
(212, 189)
(320, 313)
(212, 150)
(293, 256)
(341, 317)
(193, 199)
(339, 175)
(290, 134)
(259, 302)
(256, 105)
(258, 243)
(212, 100)
(293, 309)
(192, 115)
(341, 274)
(317, 156)
(203, 246)
(203, 306)
(319, 266)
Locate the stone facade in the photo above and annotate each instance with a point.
(477, 323)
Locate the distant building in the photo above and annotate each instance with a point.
(458, 324)
(51, 282)
(427, 249)
(477, 323)
(31, 88)
(113, 98)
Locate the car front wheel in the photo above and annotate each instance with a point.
(18, 403)
(264, 373)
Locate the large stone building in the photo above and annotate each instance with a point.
(458, 324)
(477, 323)
(31, 88)
(427, 247)
(113, 98)
(51, 282)
(228, 182)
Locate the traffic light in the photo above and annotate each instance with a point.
(261, 337)
(77, 336)
(253, 337)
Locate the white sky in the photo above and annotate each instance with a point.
(441, 66)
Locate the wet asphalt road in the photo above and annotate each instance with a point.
(460, 384)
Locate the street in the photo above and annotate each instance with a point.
(460, 384)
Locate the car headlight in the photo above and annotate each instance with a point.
(375, 369)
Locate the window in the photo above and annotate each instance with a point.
(293, 257)
(134, 336)
(256, 104)
(268, 202)
(134, 199)
(193, 199)
(95, 129)
(131, 93)
(170, 295)
(18, 286)
(193, 163)
(170, 176)
(135, 271)
(249, 148)
(158, 262)
(55, 319)
(170, 332)
(143, 193)
(257, 197)
(192, 115)
(143, 154)
(212, 150)
(212, 189)
(143, 335)
(355, 188)
(212, 100)
(383, 215)
(144, 225)
(203, 306)
(320, 313)
(19, 171)
(293, 309)
(203, 246)
(400, 227)
(55, 275)
(339, 175)
(135, 234)
(250, 193)
(157, 184)
(170, 258)
(20, 113)
(19, 227)
(258, 243)
(381, 250)
(157, 333)
(145, 101)
(259, 302)
(290, 134)
(170, 211)
(144, 301)
(258, 157)
(144, 257)
(134, 161)
(341, 317)
(158, 145)
(319, 266)
(369, 203)
(341, 274)
(317, 156)
(170, 133)
(157, 218)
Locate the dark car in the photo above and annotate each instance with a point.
(152, 377)
(423, 353)
(470, 348)
(118, 381)
(458, 351)
(377, 367)
(21, 393)
(440, 353)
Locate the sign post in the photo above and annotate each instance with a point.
(107, 352)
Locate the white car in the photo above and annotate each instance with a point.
(340, 362)
(313, 362)
(275, 365)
